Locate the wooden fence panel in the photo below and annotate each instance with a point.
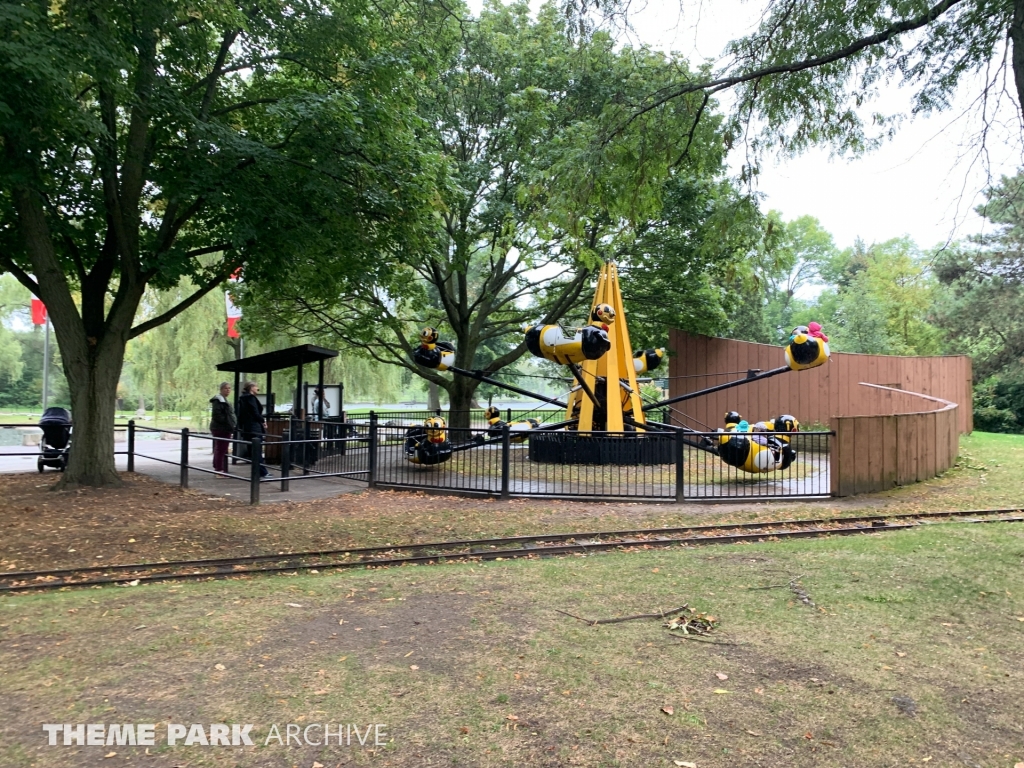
(889, 451)
(907, 452)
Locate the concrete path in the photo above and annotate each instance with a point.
(200, 455)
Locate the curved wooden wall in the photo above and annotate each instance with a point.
(818, 395)
(905, 437)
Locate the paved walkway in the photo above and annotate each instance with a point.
(200, 455)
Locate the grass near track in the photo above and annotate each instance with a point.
(150, 521)
(912, 655)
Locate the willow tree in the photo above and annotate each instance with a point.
(138, 139)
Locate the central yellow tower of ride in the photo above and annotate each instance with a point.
(612, 378)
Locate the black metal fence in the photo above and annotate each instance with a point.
(320, 450)
(651, 466)
(638, 466)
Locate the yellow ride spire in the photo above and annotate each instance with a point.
(622, 395)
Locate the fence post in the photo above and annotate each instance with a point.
(680, 447)
(506, 451)
(256, 461)
(305, 450)
(131, 445)
(508, 415)
(184, 457)
(371, 458)
(286, 464)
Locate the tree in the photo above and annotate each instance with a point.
(880, 299)
(804, 246)
(677, 274)
(983, 312)
(13, 297)
(529, 204)
(140, 137)
(804, 75)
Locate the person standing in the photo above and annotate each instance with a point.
(222, 426)
(250, 416)
(318, 399)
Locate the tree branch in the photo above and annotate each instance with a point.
(170, 314)
(713, 86)
(242, 105)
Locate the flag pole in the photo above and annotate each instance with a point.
(46, 362)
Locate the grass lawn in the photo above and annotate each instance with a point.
(913, 654)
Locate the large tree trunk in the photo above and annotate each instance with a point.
(460, 400)
(433, 397)
(93, 385)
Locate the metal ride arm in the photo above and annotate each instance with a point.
(494, 440)
(702, 443)
(488, 380)
(709, 390)
(578, 373)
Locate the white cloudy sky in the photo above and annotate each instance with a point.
(920, 184)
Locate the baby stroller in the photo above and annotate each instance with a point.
(56, 441)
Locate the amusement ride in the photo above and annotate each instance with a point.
(605, 419)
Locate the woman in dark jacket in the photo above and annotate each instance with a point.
(250, 416)
(222, 425)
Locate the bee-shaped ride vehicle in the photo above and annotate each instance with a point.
(587, 343)
(807, 347)
(428, 444)
(760, 447)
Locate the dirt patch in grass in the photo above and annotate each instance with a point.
(427, 631)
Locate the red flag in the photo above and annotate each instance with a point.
(233, 312)
(38, 312)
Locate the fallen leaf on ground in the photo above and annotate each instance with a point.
(684, 764)
(721, 675)
(755, 733)
(511, 717)
(293, 605)
(413, 667)
(668, 710)
(464, 729)
(721, 690)
(219, 666)
(900, 654)
(317, 765)
(808, 735)
(110, 754)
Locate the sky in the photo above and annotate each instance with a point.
(919, 184)
(924, 183)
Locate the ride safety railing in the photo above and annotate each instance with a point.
(318, 450)
(657, 464)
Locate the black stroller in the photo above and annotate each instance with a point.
(56, 441)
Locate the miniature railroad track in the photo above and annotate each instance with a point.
(507, 548)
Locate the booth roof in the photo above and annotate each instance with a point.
(276, 361)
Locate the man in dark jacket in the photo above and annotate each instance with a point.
(222, 426)
(250, 416)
